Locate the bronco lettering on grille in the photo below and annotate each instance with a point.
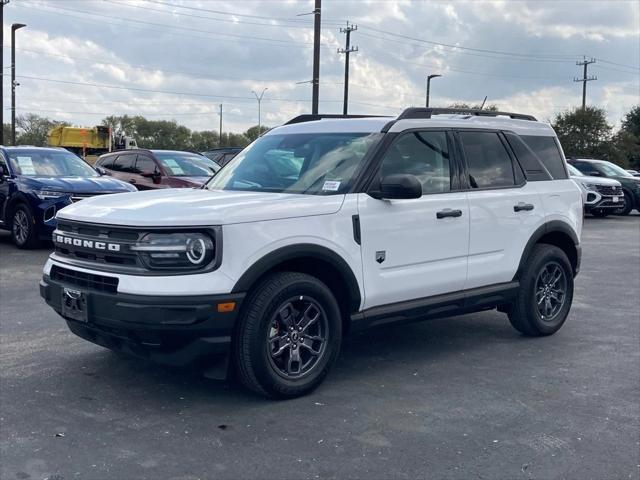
(78, 242)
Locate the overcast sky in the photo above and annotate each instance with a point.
(179, 59)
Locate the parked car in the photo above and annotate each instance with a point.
(35, 183)
(154, 169)
(602, 196)
(635, 173)
(223, 155)
(321, 227)
(602, 168)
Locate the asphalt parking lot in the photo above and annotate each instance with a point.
(464, 397)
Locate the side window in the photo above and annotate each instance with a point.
(488, 162)
(124, 163)
(423, 154)
(583, 167)
(4, 170)
(106, 162)
(145, 164)
(547, 150)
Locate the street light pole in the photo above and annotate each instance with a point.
(429, 86)
(259, 98)
(2, 4)
(14, 84)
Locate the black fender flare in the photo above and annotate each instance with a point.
(549, 227)
(300, 251)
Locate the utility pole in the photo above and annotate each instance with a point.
(259, 98)
(315, 97)
(220, 134)
(2, 4)
(429, 87)
(585, 78)
(14, 84)
(347, 50)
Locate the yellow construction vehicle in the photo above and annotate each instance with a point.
(92, 141)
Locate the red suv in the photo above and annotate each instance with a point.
(151, 169)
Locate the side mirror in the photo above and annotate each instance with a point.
(4, 173)
(398, 186)
(154, 176)
(102, 171)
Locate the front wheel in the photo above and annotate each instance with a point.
(546, 292)
(628, 204)
(288, 335)
(23, 228)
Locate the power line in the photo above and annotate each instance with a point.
(201, 17)
(235, 14)
(460, 47)
(249, 38)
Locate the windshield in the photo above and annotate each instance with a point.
(49, 163)
(314, 164)
(574, 172)
(612, 170)
(179, 164)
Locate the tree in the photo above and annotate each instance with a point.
(253, 132)
(6, 132)
(205, 140)
(584, 132)
(34, 129)
(626, 143)
(490, 107)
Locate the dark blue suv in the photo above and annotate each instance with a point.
(37, 182)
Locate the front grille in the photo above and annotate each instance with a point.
(89, 235)
(609, 190)
(90, 281)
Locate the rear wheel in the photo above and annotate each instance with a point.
(546, 292)
(23, 227)
(288, 336)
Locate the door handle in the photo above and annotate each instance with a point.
(447, 212)
(527, 207)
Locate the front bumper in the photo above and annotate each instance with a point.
(596, 201)
(178, 331)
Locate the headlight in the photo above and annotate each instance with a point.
(49, 194)
(591, 186)
(185, 251)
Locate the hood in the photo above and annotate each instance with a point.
(609, 182)
(189, 207)
(102, 184)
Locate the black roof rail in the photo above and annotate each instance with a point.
(421, 112)
(309, 117)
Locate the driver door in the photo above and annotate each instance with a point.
(416, 248)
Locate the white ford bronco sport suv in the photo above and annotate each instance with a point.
(320, 227)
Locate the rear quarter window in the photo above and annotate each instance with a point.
(548, 152)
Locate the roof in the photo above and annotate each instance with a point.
(31, 147)
(334, 125)
(520, 124)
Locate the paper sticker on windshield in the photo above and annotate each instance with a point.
(26, 165)
(173, 166)
(331, 186)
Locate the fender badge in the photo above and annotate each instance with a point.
(381, 255)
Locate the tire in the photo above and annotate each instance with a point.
(264, 346)
(628, 204)
(525, 315)
(599, 213)
(23, 227)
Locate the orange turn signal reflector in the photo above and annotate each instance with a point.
(226, 307)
